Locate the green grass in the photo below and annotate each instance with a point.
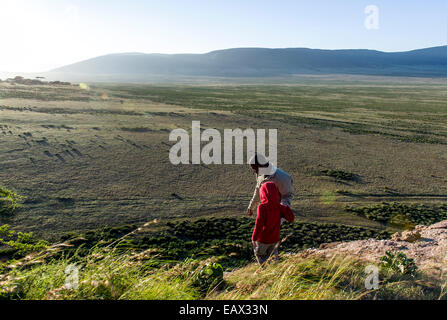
(102, 275)
(108, 270)
(332, 96)
(309, 278)
(106, 273)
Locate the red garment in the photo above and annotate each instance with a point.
(270, 212)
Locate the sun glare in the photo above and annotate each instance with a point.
(37, 38)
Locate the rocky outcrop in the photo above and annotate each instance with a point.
(409, 235)
(427, 245)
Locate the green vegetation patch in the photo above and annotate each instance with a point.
(136, 129)
(404, 138)
(339, 174)
(402, 215)
(229, 239)
(8, 201)
(14, 245)
(398, 262)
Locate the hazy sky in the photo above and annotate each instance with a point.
(38, 35)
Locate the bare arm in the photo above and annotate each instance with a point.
(254, 200)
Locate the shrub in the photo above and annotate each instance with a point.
(19, 243)
(338, 174)
(398, 262)
(208, 277)
(402, 215)
(8, 201)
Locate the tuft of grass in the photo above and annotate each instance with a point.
(98, 276)
(105, 272)
(298, 277)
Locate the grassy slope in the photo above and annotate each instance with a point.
(107, 274)
(122, 263)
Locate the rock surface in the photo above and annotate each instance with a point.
(427, 245)
(409, 235)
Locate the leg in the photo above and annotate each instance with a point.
(261, 253)
(272, 251)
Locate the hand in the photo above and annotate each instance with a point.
(255, 244)
(249, 212)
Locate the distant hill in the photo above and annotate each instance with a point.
(262, 62)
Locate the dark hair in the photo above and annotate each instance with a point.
(257, 165)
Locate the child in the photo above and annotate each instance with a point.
(265, 236)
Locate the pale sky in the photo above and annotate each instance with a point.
(39, 35)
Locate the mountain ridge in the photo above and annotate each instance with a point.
(266, 62)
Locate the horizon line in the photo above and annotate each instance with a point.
(217, 50)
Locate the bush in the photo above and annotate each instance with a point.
(8, 201)
(401, 215)
(208, 277)
(229, 238)
(398, 262)
(19, 244)
(339, 174)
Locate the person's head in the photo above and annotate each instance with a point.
(258, 161)
(269, 193)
